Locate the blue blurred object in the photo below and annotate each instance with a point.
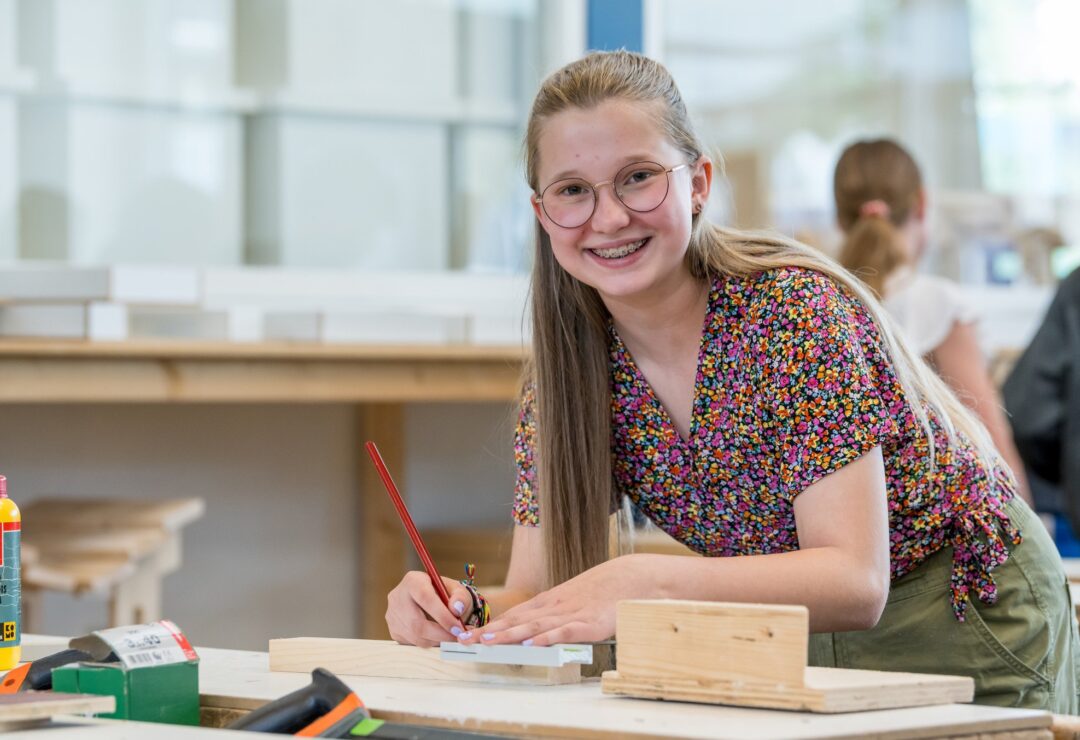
(1065, 538)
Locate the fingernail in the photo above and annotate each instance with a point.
(455, 631)
(527, 643)
(487, 636)
(459, 607)
(465, 635)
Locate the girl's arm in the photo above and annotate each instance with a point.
(959, 361)
(841, 569)
(840, 572)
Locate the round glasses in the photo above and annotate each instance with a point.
(641, 187)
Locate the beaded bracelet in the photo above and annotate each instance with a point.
(481, 611)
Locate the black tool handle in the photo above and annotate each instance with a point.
(39, 677)
(293, 712)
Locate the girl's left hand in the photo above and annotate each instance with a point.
(579, 610)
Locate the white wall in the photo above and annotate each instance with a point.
(276, 553)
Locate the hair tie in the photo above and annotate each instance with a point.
(876, 208)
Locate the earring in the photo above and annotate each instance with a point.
(697, 208)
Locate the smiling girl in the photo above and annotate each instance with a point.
(749, 396)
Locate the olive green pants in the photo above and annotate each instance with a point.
(1023, 651)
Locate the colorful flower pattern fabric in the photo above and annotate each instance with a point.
(793, 383)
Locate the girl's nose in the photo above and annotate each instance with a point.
(610, 214)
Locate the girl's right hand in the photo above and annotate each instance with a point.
(416, 615)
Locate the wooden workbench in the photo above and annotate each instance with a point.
(239, 680)
(233, 682)
(378, 380)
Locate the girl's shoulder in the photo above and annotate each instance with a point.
(784, 290)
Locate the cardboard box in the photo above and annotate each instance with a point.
(162, 693)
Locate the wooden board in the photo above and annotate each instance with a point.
(31, 705)
(823, 690)
(241, 680)
(388, 659)
(751, 655)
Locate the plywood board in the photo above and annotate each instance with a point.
(32, 705)
(823, 690)
(390, 660)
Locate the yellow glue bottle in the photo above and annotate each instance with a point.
(10, 580)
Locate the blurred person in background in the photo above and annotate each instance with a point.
(881, 208)
(1042, 394)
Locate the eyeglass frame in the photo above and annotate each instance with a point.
(596, 191)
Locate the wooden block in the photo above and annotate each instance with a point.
(31, 705)
(751, 655)
(712, 642)
(387, 659)
(1065, 727)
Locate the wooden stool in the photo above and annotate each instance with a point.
(117, 547)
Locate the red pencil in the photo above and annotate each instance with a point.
(414, 535)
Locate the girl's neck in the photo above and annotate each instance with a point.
(665, 321)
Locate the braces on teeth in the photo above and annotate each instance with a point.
(620, 251)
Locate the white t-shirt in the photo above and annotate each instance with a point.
(926, 307)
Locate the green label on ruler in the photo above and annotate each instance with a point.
(9, 588)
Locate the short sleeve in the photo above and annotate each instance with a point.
(927, 307)
(829, 391)
(526, 507)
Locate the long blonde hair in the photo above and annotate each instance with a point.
(570, 368)
(875, 172)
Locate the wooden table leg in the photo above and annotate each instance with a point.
(382, 538)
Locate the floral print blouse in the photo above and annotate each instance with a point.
(793, 383)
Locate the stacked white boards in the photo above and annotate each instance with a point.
(250, 304)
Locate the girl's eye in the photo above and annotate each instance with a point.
(638, 176)
(573, 190)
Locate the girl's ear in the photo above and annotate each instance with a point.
(536, 207)
(920, 205)
(700, 182)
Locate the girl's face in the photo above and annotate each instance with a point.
(622, 253)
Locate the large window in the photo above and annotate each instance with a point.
(314, 133)
(984, 93)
